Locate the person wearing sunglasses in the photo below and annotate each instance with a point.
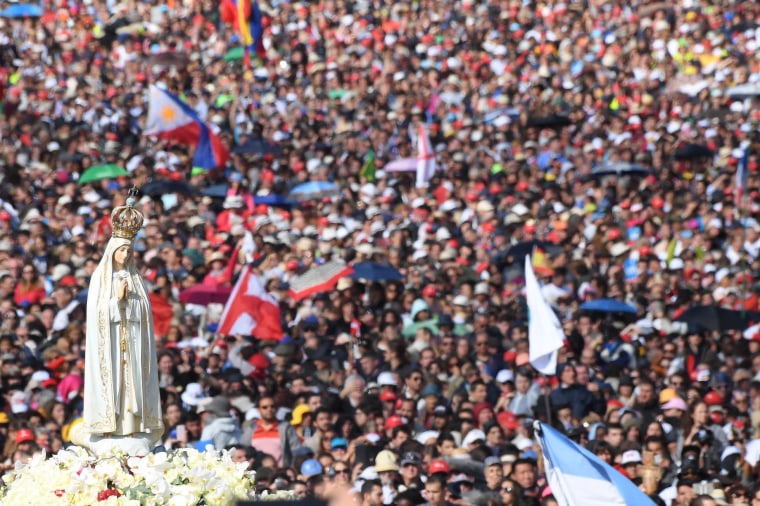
(268, 435)
(508, 492)
(339, 472)
(755, 501)
(738, 494)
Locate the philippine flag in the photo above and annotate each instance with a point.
(251, 311)
(576, 476)
(170, 118)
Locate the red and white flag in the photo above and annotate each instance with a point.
(251, 311)
(425, 158)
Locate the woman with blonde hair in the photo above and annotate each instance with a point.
(353, 393)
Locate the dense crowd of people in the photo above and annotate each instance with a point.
(617, 138)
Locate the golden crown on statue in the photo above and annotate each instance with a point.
(127, 220)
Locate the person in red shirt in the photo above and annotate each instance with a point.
(234, 213)
(29, 289)
(220, 274)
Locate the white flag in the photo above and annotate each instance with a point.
(545, 335)
(248, 248)
(425, 158)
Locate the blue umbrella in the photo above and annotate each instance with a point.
(375, 272)
(21, 11)
(608, 306)
(218, 191)
(314, 190)
(274, 200)
(257, 147)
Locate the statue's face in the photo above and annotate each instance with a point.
(122, 254)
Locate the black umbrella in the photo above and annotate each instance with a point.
(522, 249)
(168, 59)
(72, 157)
(716, 113)
(646, 10)
(550, 121)
(718, 318)
(163, 187)
(257, 147)
(692, 152)
(321, 146)
(744, 26)
(619, 169)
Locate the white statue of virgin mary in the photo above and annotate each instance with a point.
(122, 409)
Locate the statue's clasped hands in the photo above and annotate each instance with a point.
(122, 292)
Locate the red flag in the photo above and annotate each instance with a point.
(251, 311)
(228, 12)
(356, 328)
(162, 313)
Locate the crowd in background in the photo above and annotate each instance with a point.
(419, 390)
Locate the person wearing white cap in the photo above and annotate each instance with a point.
(192, 395)
(630, 461)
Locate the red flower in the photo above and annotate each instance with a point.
(105, 494)
(59, 492)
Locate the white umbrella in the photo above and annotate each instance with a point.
(693, 89)
(744, 90)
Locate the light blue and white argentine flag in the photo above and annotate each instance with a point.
(577, 477)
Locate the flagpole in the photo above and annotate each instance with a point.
(742, 217)
(537, 435)
(547, 404)
(545, 334)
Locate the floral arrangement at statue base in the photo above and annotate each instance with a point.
(178, 478)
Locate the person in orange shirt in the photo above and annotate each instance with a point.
(279, 440)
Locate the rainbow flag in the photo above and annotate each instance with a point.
(245, 16)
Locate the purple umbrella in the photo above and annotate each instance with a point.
(402, 165)
(204, 295)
